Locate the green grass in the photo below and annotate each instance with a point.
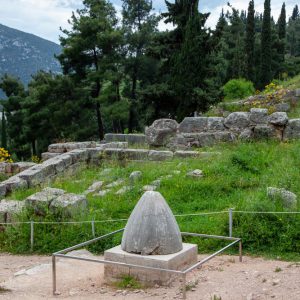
(237, 178)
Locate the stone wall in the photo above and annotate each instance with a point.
(207, 131)
(15, 168)
(131, 139)
(68, 160)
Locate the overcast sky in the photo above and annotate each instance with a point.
(44, 17)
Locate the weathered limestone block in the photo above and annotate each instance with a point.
(9, 209)
(160, 155)
(69, 204)
(258, 116)
(136, 154)
(115, 145)
(33, 176)
(237, 121)
(66, 147)
(278, 118)
(152, 228)
(22, 166)
(224, 136)
(14, 183)
(193, 124)
(79, 155)
(283, 107)
(48, 155)
(96, 186)
(3, 189)
(215, 124)
(135, 176)
(246, 135)
(264, 132)
(292, 130)
(186, 154)
(195, 173)
(39, 202)
(297, 92)
(114, 154)
(161, 132)
(130, 138)
(289, 199)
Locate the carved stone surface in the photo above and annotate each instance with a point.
(152, 228)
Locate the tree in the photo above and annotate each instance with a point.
(3, 131)
(139, 24)
(90, 49)
(295, 13)
(266, 46)
(282, 38)
(250, 43)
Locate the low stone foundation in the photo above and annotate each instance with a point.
(178, 261)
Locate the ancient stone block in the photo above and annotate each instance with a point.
(292, 130)
(237, 121)
(69, 204)
(15, 183)
(278, 118)
(264, 132)
(193, 125)
(40, 202)
(289, 199)
(9, 209)
(186, 154)
(160, 155)
(282, 107)
(136, 154)
(258, 116)
(48, 155)
(215, 124)
(161, 132)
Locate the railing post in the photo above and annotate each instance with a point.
(54, 274)
(93, 228)
(230, 222)
(31, 235)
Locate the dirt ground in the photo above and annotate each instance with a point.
(224, 277)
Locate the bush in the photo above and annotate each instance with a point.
(238, 89)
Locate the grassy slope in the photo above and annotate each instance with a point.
(237, 178)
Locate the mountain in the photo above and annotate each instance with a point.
(23, 54)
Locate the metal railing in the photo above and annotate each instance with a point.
(182, 273)
(229, 212)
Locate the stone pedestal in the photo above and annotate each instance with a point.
(177, 261)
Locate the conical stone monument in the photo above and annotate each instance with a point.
(152, 228)
(151, 238)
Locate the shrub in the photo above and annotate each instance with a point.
(238, 89)
(5, 156)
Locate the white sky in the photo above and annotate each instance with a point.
(44, 17)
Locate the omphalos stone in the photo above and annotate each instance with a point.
(152, 228)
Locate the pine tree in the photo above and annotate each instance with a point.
(266, 46)
(139, 24)
(250, 43)
(90, 49)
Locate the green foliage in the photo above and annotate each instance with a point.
(238, 89)
(266, 46)
(128, 282)
(237, 178)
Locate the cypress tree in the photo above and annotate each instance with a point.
(295, 13)
(3, 133)
(282, 34)
(266, 46)
(250, 42)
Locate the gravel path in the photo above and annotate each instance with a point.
(29, 277)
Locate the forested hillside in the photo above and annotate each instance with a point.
(23, 54)
(121, 72)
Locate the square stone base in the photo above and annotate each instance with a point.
(177, 261)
